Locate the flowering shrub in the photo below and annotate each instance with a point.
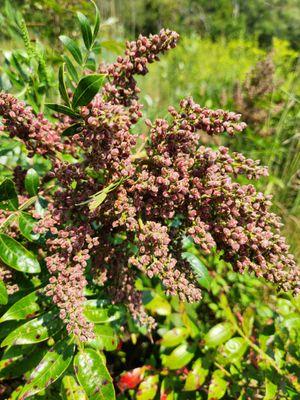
(102, 212)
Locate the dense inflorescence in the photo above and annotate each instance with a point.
(151, 198)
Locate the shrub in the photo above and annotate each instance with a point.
(94, 213)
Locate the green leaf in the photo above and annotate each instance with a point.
(196, 377)
(156, 303)
(34, 331)
(8, 193)
(248, 321)
(52, 366)
(71, 390)
(174, 337)
(26, 226)
(63, 110)
(32, 181)
(73, 48)
(71, 69)
(97, 21)
(87, 88)
(234, 349)
(72, 129)
(271, 390)
(105, 338)
(148, 388)
(204, 279)
(62, 85)
(179, 357)
(218, 386)
(93, 375)
(218, 334)
(16, 256)
(3, 293)
(86, 30)
(24, 308)
(100, 312)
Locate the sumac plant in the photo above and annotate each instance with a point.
(101, 216)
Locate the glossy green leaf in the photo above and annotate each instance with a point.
(97, 21)
(63, 110)
(100, 312)
(218, 334)
(24, 308)
(3, 293)
(199, 269)
(71, 390)
(52, 366)
(32, 181)
(271, 390)
(62, 85)
(87, 88)
(174, 337)
(86, 30)
(157, 304)
(148, 388)
(72, 129)
(93, 375)
(16, 256)
(34, 331)
(196, 377)
(105, 338)
(8, 194)
(73, 48)
(179, 357)
(218, 386)
(234, 349)
(248, 321)
(26, 226)
(71, 69)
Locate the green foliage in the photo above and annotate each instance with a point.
(242, 341)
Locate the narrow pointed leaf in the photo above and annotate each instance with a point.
(199, 269)
(63, 110)
(62, 85)
(16, 256)
(73, 48)
(86, 30)
(87, 88)
(93, 375)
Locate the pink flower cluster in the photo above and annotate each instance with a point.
(174, 188)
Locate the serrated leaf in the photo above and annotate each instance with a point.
(34, 331)
(71, 390)
(32, 181)
(26, 226)
(93, 375)
(73, 48)
(148, 388)
(3, 293)
(63, 110)
(218, 334)
(86, 30)
(52, 366)
(105, 338)
(204, 279)
(62, 85)
(24, 308)
(16, 256)
(8, 193)
(174, 337)
(218, 386)
(179, 357)
(87, 88)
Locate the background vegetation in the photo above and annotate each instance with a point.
(242, 341)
